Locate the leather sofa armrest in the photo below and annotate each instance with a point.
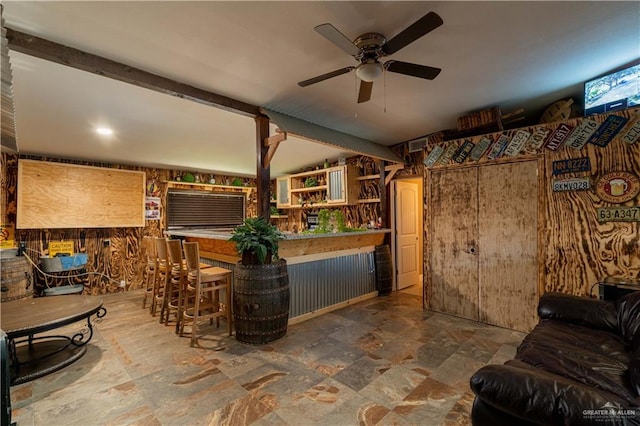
(578, 310)
(540, 397)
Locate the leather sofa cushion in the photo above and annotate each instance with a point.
(590, 356)
(634, 372)
(538, 396)
(628, 307)
(579, 310)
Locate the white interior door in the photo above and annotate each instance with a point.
(408, 214)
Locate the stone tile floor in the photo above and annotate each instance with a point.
(383, 361)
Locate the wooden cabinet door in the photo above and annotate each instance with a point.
(282, 192)
(453, 230)
(507, 245)
(336, 186)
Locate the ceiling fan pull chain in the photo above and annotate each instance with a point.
(384, 96)
(356, 86)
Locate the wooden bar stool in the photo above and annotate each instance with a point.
(177, 282)
(151, 254)
(160, 284)
(203, 293)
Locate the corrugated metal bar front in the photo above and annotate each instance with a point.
(316, 285)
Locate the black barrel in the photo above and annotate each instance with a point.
(384, 270)
(261, 302)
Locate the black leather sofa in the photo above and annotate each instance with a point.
(579, 366)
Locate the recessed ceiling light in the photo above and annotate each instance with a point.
(105, 131)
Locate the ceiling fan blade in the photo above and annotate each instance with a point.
(364, 94)
(330, 32)
(422, 26)
(415, 70)
(326, 76)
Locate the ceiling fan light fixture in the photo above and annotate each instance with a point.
(369, 71)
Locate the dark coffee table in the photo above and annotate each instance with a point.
(34, 356)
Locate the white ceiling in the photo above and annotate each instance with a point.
(511, 54)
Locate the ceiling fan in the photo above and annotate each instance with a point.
(370, 47)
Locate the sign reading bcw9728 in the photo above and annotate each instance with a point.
(582, 164)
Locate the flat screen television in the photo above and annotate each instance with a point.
(616, 90)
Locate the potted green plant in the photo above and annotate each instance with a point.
(257, 241)
(261, 283)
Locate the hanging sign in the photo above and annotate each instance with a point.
(60, 247)
(537, 139)
(571, 184)
(7, 235)
(582, 164)
(478, 151)
(618, 187)
(632, 131)
(498, 147)
(619, 214)
(447, 154)
(517, 143)
(433, 156)
(608, 130)
(463, 151)
(557, 138)
(581, 134)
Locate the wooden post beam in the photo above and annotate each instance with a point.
(263, 178)
(393, 168)
(65, 55)
(272, 143)
(384, 199)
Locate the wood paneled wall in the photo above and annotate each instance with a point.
(123, 258)
(575, 249)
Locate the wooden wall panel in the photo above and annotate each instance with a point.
(575, 250)
(453, 268)
(57, 195)
(580, 250)
(507, 244)
(123, 258)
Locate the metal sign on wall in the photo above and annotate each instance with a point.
(582, 164)
(571, 184)
(618, 187)
(619, 214)
(608, 130)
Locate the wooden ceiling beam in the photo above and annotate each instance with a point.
(272, 143)
(65, 55)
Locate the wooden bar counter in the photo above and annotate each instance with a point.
(326, 271)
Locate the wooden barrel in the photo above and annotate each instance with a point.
(16, 278)
(384, 270)
(261, 302)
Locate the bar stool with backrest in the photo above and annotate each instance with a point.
(203, 293)
(161, 277)
(150, 269)
(177, 282)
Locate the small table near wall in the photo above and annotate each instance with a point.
(612, 288)
(31, 357)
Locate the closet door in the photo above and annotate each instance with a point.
(453, 253)
(507, 245)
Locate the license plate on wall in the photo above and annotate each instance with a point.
(619, 214)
